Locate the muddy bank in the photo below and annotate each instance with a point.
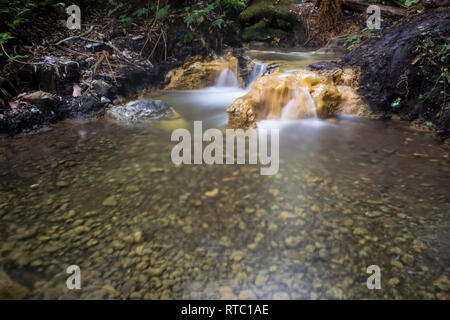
(405, 71)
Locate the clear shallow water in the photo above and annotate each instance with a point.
(350, 193)
(289, 60)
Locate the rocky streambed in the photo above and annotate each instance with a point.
(351, 192)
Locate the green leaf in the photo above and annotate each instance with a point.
(163, 11)
(140, 12)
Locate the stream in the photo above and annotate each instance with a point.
(350, 193)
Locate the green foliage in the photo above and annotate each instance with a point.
(433, 54)
(188, 38)
(410, 3)
(163, 12)
(124, 19)
(5, 36)
(140, 12)
(217, 13)
(355, 39)
(13, 13)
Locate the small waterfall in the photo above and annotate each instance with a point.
(227, 78)
(300, 106)
(258, 71)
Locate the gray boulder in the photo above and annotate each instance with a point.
(141, 110)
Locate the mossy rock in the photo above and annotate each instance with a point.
(262, 32)
(277, 33)
(256, 32)
(266, 9)
(265, 20)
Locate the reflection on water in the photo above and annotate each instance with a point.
(207, 104)
(290, 60)
(350, 193)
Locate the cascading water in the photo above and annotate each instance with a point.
(300, 106)
(227, 78)
(258, 71)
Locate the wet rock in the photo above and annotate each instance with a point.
(281, 296)
(71, 295)
(154, 272)
(247, 295)
(138, 238)
(40, 99)
(141, 110)
(359, 231)
(348, 222)
(80, 230)
(11, 290)
(29, 111)
(101, 88)
(287, 215)
(237, 255)
(187, 229)
(110, 202)
(302, 94)
(228, 296)
(131, 189)
(136, 296)
(335, 293)
(395, 250)
(198, 72)
(292, 242)
(323, 254)
(91, 105)
(397, 264)
(442, 283)
(213, 193)
(393, 282)
(373, 214)
(226, 293)
(105, 100)
(407, 259)
(91, 243)
(261, 279)
(62, 184)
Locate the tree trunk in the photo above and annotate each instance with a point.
(330, 11)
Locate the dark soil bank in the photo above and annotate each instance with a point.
(392, 67)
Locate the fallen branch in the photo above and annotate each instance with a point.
(75, 37)
(359, 6)
(72, 51)
(115, 49)
(156, 44)
(151, 29)
(15, 60)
